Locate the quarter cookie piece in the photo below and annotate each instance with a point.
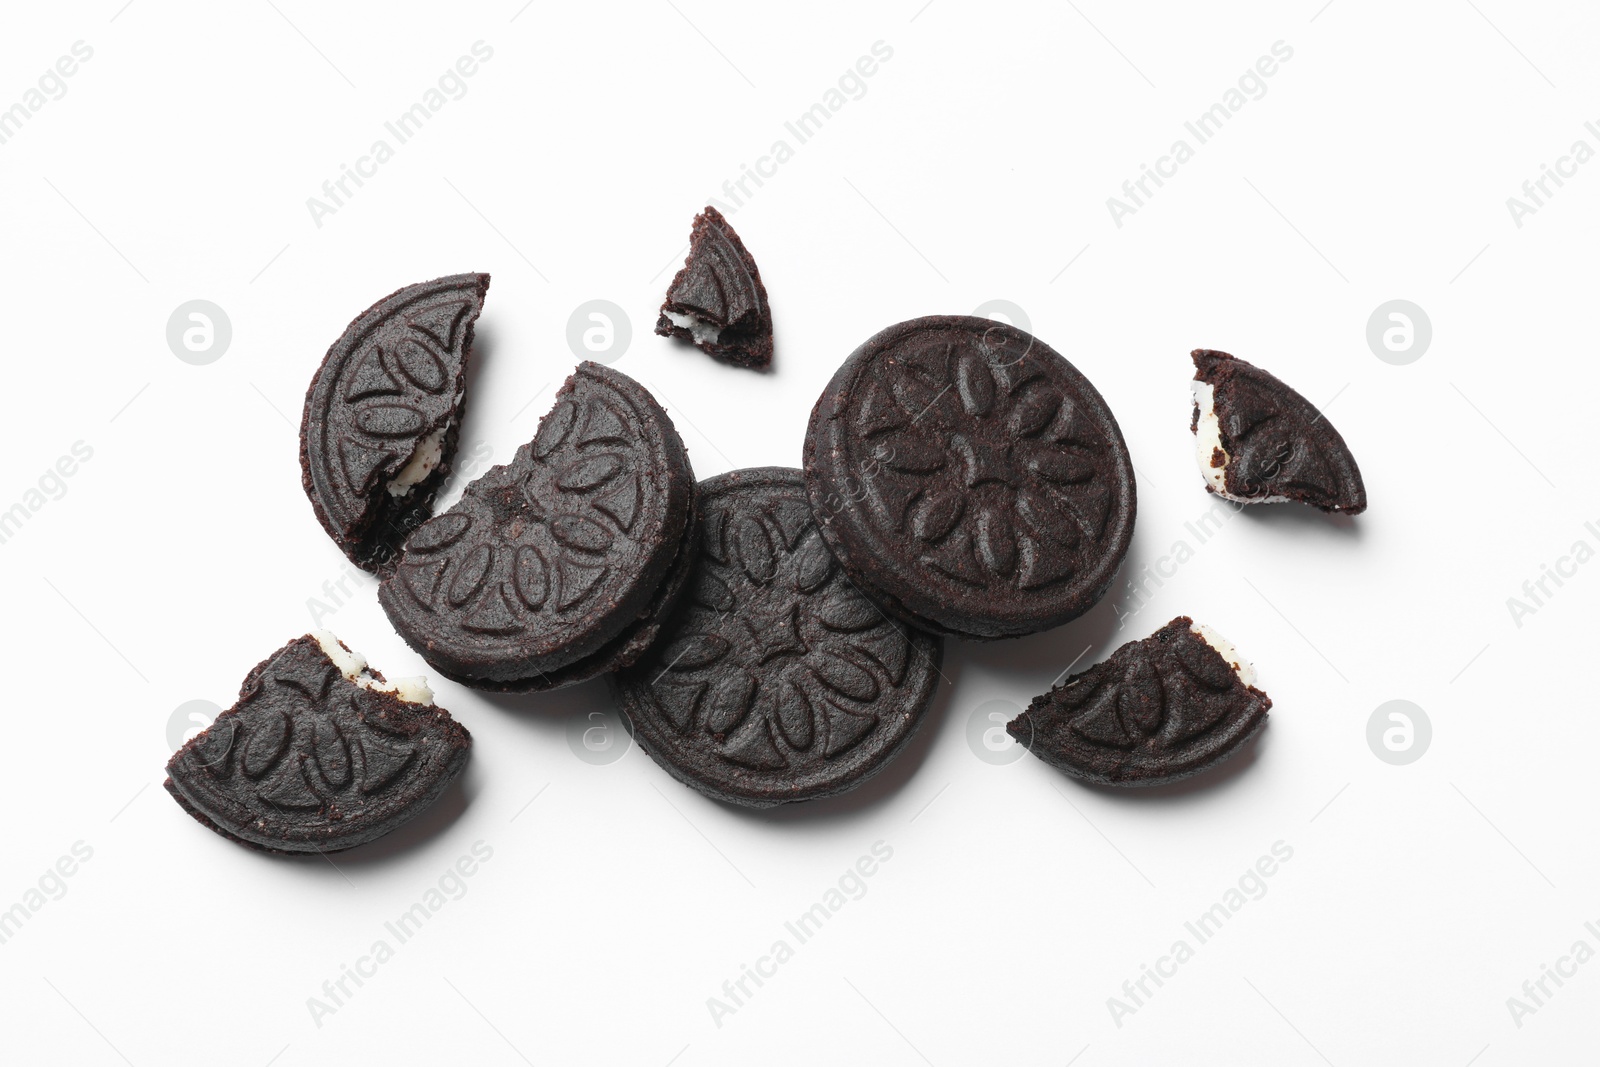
(970, 478)
(1259, 442)
(319, 754)
(716, 300)
(1157, 710)
(380, 421)
(560, 565)
(776, 680)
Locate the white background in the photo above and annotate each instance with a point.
(976, 167)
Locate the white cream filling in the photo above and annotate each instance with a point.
(1241, 666)
(1208, 437)
(704, 332)
(424, 458)
(1208, 443)
(353, 665)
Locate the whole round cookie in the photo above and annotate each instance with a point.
(970, 478)
(776, 680)
(561, 564)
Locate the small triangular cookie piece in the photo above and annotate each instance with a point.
(716, 301)
(1259, 442)
(1157, 710)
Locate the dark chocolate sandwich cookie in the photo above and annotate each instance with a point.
(319, 754)
(1157, 710)
(716, 300)
(970, 478)
(561, 564)
(1260, 442)
(776, 680)
(379, 428)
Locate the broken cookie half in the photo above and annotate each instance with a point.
(1157, 710)
(382, 414)
(716, 301)
(1259, 442)
(319, 754)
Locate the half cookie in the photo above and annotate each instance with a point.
(319, 754)
(379, 428)
(559, 565)
(1259, 442)
(717, 301)
(1157, 710)
(775, 680)
(969, 478)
